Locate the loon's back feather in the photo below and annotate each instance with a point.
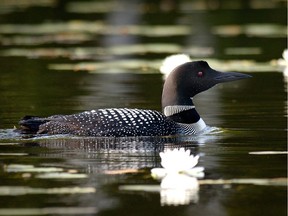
(104, 122)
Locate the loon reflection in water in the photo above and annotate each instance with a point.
(179, 114)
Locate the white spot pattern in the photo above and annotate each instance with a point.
(118, 123)
(112, 122)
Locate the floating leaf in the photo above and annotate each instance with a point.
(268, 152)
(22, 190)
(147, 188)
(266, 30)
(259, 30)
(137, 66)
(8, 144)
(49, 211)
(92, 7)
(94, 27)
(63, 38)
(227, 30)
(266, 182)
(56, 175)
(89, 53)
(9, 6)
(243, 51)
(30, 168)
(120, 172)
(13, 154)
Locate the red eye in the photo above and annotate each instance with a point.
(200, 74)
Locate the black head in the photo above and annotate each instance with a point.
(191, 78)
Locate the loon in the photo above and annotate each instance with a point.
(179, 115)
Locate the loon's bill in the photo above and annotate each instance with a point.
(179, 115)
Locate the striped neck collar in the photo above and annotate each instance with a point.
(172, 110)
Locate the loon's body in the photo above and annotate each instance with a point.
(118, 122)
(179, 113)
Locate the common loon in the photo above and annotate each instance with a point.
(179, 113)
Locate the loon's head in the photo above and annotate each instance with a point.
(191, 78)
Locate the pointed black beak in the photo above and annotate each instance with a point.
(230, 76)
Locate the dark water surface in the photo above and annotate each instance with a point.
(69, 56)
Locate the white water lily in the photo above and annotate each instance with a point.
(179, 189)
(173, 61)
(179, 184)
(178, 161)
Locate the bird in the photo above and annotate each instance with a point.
(178, 116)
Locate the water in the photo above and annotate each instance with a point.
(73, 56)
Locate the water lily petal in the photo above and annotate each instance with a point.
(193, 161)
(158, 173)
(197, 172)
(178, 161)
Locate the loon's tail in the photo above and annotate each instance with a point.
(30, 124)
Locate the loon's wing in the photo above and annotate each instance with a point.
(121, 122)
(104, 122)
